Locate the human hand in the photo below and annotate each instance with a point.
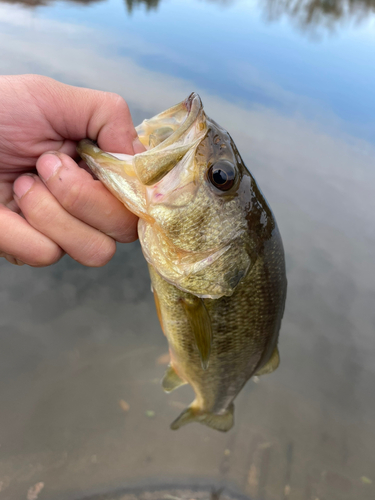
(63, 209)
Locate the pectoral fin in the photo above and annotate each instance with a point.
(171, 380)
(200, 323)
(158, 309)
(271, 364)
(223, 422)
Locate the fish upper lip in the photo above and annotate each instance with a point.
(193, 104)
(193, 101)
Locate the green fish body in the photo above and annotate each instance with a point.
(214, 252)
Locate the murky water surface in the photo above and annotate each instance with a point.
(81, 352)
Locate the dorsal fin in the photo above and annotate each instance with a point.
(200, 323)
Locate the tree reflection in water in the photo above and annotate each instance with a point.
(150, 4)
(37, 3)
(130, 4)
(309, 14)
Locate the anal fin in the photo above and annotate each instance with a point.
(171, 380)
(223, 422)
(200, 323)
(271, 365)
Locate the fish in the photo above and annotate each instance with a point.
(214, 252)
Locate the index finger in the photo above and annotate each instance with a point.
(85, 198)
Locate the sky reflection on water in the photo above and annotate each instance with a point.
(233, 52)
(75, 341)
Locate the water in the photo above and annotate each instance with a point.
(81, 351)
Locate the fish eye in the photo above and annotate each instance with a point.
(222, 175)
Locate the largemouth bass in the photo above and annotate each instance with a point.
(214, 252)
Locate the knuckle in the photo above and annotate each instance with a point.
(46, 257)
(74, 198)
(99, 253)
(40, 213)
(132, 235)
(37, 83)
(128, 234)
(119, 103)
(31, 78)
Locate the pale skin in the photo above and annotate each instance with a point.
(49, 205)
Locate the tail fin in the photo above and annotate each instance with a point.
(223, 422)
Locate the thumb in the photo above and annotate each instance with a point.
(76, 113)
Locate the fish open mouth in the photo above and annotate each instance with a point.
(169, 127)
(168, 137)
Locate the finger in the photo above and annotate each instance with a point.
(85, 198)
(44, 213)
(68, 147)
(21, 243)
(75, 113)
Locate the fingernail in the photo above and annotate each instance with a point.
(47, 165)
(13, 260)
(138, 146)
(22, 185)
